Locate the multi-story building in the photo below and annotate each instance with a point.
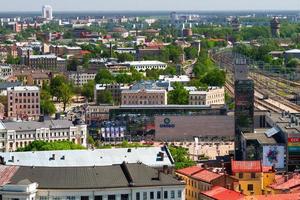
(198, 179)
(144, 65)
(81, 78)
(48, 61)
(96, 114)
(6, 71)
(63, 50)
(244, 104)
(113, 182)
(144, 97)
(33, 77)
(20, 134)
(23, 102)
(114, 89)
(211, 96)
(47, 12)
(253, 177)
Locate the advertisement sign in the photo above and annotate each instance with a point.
(294, 140)
(273, 155)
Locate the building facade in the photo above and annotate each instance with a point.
(81, 78)
(114, 89)
(144, 97)
(20, 134)
(23, 102)
(144, 65)
(212, 96)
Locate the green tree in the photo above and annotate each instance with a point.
(73, 64)
(191, 53)
(105, 97)
(39, 145)
(179, 95)
(88, 90)
(47, 106)
(67, 92)
(215, 77)
(104, 77)
(55, 85)
(181, 157)
(122, 57)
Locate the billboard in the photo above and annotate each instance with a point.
(274, 155)
(179, 128)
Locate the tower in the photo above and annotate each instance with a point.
(275, 27)
(244, 104)
(47, 12)
(235, 24)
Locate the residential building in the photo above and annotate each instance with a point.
(149, 52)
(114, 89)
(23, 102)
(144, 97)
(48, 61)
(20, 134)
(211, 96)
(198, 179)
(63, 50)
(81, 78)
(184, 79)
(144, 65)
(6, 71)
(32, 77)
(116, 182)
(275, 27)
(254, 178)
(96, 114)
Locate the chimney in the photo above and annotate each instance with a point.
(165, 169)
(13, 159)
(53, 157)
(2, 161)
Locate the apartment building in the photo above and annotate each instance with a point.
(23, 102)
(48, 61)
(14, 135)
(114, 89)
(81, 78)
(115, 182)
(6, 71)
(144, 97)
(211, 96)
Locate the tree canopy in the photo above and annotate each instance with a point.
(39, 145)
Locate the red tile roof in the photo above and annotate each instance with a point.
(292, 183)
(291, 196)
(199, 173)
(189, 170)
(6, 173)
(220, 193)
(246, 166)
(206, 176)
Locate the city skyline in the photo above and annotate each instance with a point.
(154, 5)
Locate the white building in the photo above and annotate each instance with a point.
(174, 79)
(116, 182)
(144, 65)
(47, 12)
(211, 96)
(81, 78)
(14, 135)
(5, 72)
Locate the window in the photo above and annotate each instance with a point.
(56, 198)
(144, 195)
(250, 187)
(124, 197)
(179, 194)
(151, 195)
(252, 175)
(165, 194)
(71, 198)
(240, 175)
(111, 197)
(172, 194)
(137, 196)
(84, 198)
(158, 195)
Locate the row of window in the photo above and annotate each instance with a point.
(28, 100)
(33, 135)
(143, 102)
(28, 94)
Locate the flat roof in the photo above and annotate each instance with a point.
(97, 157)
(145, 62)
(23, 88)
(260, 136)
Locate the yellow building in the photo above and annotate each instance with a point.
(199, 179)
(254, 179)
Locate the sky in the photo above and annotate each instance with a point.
(139, 5)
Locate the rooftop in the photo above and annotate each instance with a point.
(98, 157)
(114, 176)
(292, 196)
(145, 62)
(23, 88)
(43, 56)
(221, 193)
(260, 136)
(246, 166)
(199, 173)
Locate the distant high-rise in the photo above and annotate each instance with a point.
(275, 27)
(236, 25)
(47, 12)
(244, 104)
